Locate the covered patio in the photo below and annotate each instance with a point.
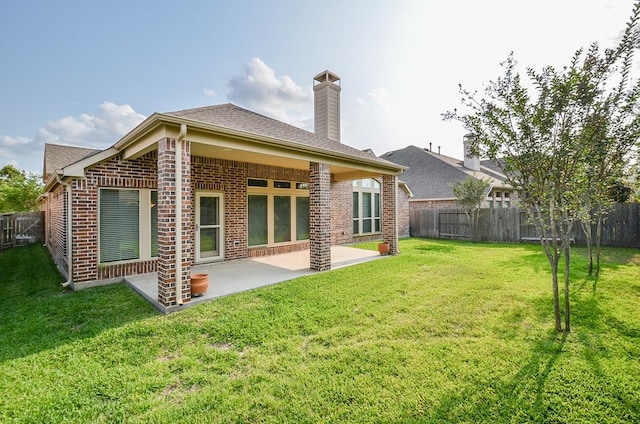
(246, 274)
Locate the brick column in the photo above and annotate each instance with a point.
(389, 212)
(320, 216)
(167, 221)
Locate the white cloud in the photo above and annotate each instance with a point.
(13, 141)
(261, 90)
(97, 131)
(380, 97)
(100, 130)
(210, 92)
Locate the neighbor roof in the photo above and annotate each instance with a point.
(57, 156)
(236, 118)
(430, 174)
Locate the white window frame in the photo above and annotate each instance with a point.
(221, 227)
(144, 224)
(293, 192)
(373, 186)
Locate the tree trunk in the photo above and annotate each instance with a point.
(598, 241)
(586, 227)
(567, 306)
(556, 296)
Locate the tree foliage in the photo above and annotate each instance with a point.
(563, 135)
(19, 191)
(470, 193)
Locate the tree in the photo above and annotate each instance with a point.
(19, 191)
(558, 136)
(470, 194)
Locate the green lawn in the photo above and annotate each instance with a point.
(444, 332)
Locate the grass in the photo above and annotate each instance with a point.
(445, 332)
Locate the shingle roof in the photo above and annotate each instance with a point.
(57, 156)
(236, 118)
(429, 175)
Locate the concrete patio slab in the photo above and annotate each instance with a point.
(246, 274)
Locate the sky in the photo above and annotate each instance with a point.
(84, 73)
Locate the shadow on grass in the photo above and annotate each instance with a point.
(38, 314)
(518, 399)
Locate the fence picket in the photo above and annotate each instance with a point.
(509, 225)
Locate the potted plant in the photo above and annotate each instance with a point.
(199, 284)
(383, 248)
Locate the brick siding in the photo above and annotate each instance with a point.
(330, 220)
(389, 211)
(341, 212)
(56, 226)
(320, 216)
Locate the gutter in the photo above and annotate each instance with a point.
(69, 232)
(178, 203)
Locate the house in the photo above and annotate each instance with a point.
(215, 183)
(431, 174)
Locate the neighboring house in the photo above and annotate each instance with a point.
(431, 174)
(211, 184)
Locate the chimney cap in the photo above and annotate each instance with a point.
(326, 76)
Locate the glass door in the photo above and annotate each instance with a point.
(209, 227)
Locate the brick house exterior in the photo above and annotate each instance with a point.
(176, 171)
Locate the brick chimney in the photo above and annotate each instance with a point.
(471, 161)
(326, 93)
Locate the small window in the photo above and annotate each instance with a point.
(281, 184)
(257, 183)
(507, 194)
(302, 186)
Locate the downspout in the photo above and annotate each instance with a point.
(69, 254)
(179, 139)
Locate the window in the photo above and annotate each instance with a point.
(499, 199)
(257, 220)
(128, 225)
(281, 218)
(154, 223)
(366, 206)
(278, 211)
(302, 218)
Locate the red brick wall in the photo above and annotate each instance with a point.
(116, 173)
(56, 223)
(201, 174)
(403, 213)
(341, 212)
(230, 178)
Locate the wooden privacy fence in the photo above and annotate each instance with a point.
(21, 228)
(509, 225)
